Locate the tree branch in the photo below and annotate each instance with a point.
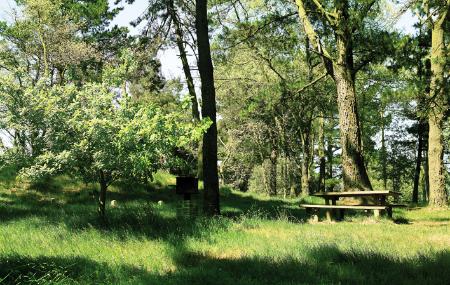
(331, 17)
(312, 83)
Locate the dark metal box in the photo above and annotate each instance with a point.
(186, 185)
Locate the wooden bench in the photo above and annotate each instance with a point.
(313, 209)
(373, 200)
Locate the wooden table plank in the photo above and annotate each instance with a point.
(356, 194)
(355, 207)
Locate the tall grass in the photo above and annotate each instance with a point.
(55, 237)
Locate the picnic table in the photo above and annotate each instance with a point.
(372, 200)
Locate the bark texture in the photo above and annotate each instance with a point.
(209, 150)
(342, 70)
(438, 195)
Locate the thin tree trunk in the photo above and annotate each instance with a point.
(273, 172)
(102, 194)
(426, 193)
(383, 152)
(299, 188)
(210, 173)
(306, 132)
(330, 157)
(179, 39)
(438, 195)
(420, 138)
(306, 139)
(415, 193)
(286, 177)
(321, 152)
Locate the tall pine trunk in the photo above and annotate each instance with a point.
(438, 195)
(210, 172)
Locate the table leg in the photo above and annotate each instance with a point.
(333, 211)
(382, 200)
(329, 215)
(341, 214)
(389, 212)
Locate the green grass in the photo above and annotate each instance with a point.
(53, 236)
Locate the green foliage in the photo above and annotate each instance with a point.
(99, 132)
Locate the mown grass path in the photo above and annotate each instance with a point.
(54, 237)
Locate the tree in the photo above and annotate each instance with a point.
(438, 102)
(39, 46)
(268, 101)
(344, 21)
(100, 138)
(209, 150)
(167, 22)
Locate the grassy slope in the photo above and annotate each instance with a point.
(54, 236)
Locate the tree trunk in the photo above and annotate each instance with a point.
(415, 193)
(420, 137)
(297, 175)
(102, 194)
(438, 195)
(383, 152)
(330, 157)
(210, 172)
(342, 70)
(273, 172)
(306, 139)
(426, 185)
(321, 152)
(286, 177)
(179, 39)
(354, 170)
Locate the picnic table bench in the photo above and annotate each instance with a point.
(378, 202)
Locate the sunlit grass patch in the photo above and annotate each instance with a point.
(257, 240)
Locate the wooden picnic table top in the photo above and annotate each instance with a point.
(356, 193)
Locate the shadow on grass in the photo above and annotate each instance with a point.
(136, 216)
(235, 205)
(62, 270)
(323, 265)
